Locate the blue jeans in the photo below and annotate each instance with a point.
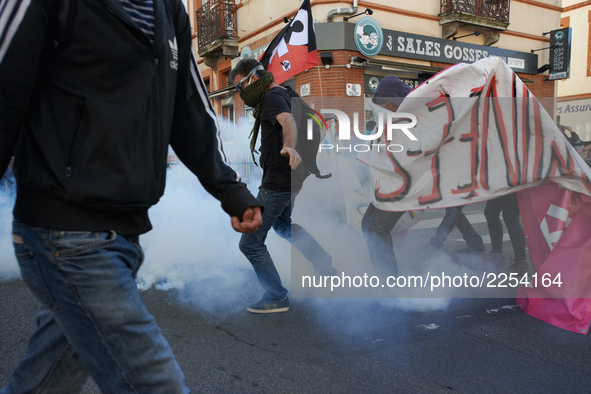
(277, 215)
(92, 319)
(455, 217)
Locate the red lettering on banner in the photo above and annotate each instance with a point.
(403, 190)
(566, 167)
(472, 138)
(557, 162)
(525, 134)
(539, 147)
(483, 148)
(442, 101)
(511, 168)
(587, 182)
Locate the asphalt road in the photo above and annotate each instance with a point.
(350, 345)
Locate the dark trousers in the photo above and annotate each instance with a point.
(510, 207)
(455, 217)
(376, 226)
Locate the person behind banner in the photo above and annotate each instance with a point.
(583, 148)
(376, 224)
(454, 217)
(509, 205)
(369, 127)
(283, 177)
(89, 117)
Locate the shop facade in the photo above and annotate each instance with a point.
(413, 43)
(357, 47)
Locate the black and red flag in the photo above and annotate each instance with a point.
(293, 50)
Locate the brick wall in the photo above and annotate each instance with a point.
(328, 86)
(238, 107)
(543, 90)
(331, 82)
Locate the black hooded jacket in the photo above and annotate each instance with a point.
(90, 123)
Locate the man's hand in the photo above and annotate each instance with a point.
(290, 138)
(294, 157)
(251, 220)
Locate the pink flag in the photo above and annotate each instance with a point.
(557, 222)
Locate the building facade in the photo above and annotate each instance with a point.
(574, 93)
(415, 40)
(419, 39)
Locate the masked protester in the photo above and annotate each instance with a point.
(283, 177)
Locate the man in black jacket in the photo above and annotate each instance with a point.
(91, 95)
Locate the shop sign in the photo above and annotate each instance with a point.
(415, 46)
(560, 54)
(371, 82)
(246, 53)
(369, 37)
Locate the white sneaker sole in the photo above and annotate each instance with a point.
(275, 310)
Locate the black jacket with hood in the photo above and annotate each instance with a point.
(90, 123)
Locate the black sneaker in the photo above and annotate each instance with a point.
(522, 267)
(472, 249)
(269, 307)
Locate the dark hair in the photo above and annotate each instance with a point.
(243, 67)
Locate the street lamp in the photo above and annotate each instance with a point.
(367, 11)
(476, 33)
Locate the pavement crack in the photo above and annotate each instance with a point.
(233, 336)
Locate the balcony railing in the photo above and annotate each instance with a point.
(216, 19)
(497, 10)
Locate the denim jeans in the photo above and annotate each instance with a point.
(455, 217)
(377, 226)
(92, 319)
(277, 215)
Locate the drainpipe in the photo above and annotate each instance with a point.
(342, 11)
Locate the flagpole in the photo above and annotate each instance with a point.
(320, 85)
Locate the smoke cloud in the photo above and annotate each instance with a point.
(8, 265)
(192, 252)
